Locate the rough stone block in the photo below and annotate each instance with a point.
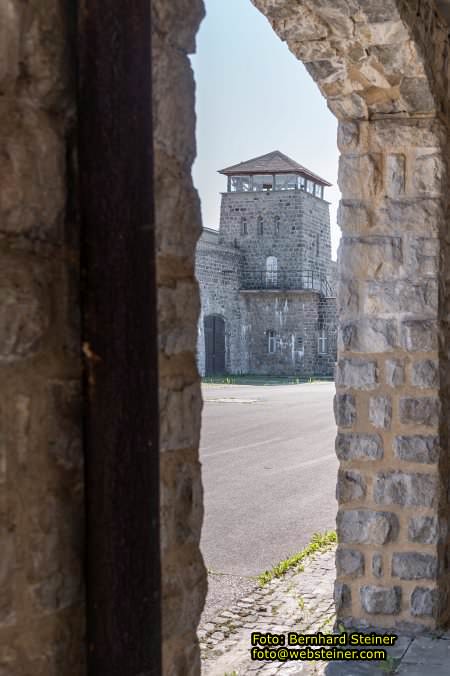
(420, 215)
(419, 335)
(182, 409)
(369, 335)
(350, 486)
(348, 107)
(371, 257)
(394, 372)
(65, 425)
(384, 298)
(396, 174)
(429, 171)
(377, 565)
(32, 175)
(381, 600)
(357, 373)
(347, 297)
(416, 93)
(425, 602)
(425, 374)
(348, 135)
(9, 44)
(344, 410)
(397, 133)
(423, 256)
(414, 566)
(7, 568)
(424, 449)
(420, 411)
(24, 311)
(380, 412)
(407, 490)
(359, 447)
(366, 527)
(342, 596)
(352, 215)
(349, 562)
(424, 529)
(360, 176)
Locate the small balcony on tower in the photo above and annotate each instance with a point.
(294, 279)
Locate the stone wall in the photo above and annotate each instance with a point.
(178, 224)
(296, 317)
(325, 363)
(302, 219)
(218, 270)
(41, 489)
(392, 491)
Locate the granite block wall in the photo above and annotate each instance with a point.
(295, 229)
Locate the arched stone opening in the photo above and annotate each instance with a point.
(393, 300)
(371, 62)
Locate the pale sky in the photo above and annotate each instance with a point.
(253, 96)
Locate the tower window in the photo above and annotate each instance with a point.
(271, 342)
(277, 225)
(317, 244)
(285, 182)
(322, 342)
(260, 226)
(243, 226)
(271, 272)
(262, 182)
(239, 184)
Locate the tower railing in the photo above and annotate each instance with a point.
(286, 280)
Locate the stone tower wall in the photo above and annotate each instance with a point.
(292, 317)
(218, 271)
(325, 364)
(302, 218)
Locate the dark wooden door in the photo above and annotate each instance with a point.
(120, 338)
(214, 345)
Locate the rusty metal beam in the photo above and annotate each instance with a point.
(119, 338)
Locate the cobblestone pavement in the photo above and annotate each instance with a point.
(302, 601)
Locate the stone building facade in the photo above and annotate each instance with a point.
(382, 66)
(266, 276)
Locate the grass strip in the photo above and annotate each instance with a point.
(320, 542)
(263, 380)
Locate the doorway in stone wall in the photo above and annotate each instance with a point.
(268, 271)
(214, 331)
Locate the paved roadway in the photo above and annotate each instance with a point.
(269, 472)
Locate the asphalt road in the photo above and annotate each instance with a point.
(269, 473)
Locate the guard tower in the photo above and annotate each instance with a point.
(268, 303)
(275, 212)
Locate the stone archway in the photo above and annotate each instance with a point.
(369, 61)
(381, 67)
